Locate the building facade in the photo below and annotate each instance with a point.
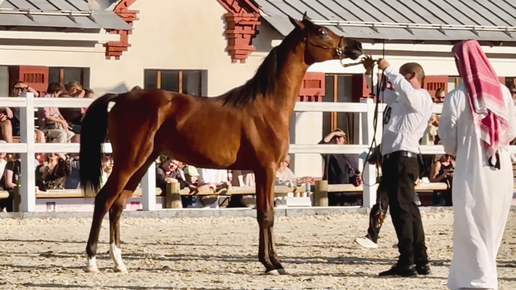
(206, 47)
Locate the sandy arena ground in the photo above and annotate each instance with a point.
(220, 253)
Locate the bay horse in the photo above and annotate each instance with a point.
(246, 128)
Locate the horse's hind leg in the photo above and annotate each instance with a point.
(265, 207)
(116, 211)
(124, 168)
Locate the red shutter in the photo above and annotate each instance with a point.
(433, 83)
(312, 87)
(34, 76)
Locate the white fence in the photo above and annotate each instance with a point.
(28, 148)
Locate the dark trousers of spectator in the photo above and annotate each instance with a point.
(7, 203)
(378, 213)
(399, 174)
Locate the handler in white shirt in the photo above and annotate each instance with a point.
(405, 121)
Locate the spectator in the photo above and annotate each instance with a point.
(440, 94)
(285, 176)
(50, 119)
(216, 179)
(10, 117)
(442, 171)
(340, 169)
(429, 138)
(169, 172)
(53, 172)
(8, 182)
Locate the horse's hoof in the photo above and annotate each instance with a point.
(121, 270)
(93, 270)
(272, 272)
(282, 272)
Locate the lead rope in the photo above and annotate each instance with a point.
(373, 148)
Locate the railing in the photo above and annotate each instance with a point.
(27, 147)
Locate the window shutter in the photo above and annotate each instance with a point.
(312, 87)
(433, 83)
(34, 76)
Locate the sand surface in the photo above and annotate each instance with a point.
(220, 253)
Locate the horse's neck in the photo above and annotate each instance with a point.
(290, 74)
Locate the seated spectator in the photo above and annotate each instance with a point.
(53, 172)
(169, 172)
(216, 179)
(51, 122)
(74, 116)
(13, 115)
(340, 169)
(429, 138)
(442, 171)
(285, 176)
(9, 179)
(440, 94)
(72, 181)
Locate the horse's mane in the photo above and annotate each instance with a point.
(262, 83)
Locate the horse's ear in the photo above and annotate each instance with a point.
(296, 23)
(305, 16)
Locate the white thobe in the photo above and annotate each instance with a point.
(482, 195)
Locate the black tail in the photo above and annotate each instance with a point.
(93, 134)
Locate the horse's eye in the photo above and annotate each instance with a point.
(323, 32)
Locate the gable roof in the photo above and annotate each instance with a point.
(428, 21)
(58, 14)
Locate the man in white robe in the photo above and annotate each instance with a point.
(483, 179)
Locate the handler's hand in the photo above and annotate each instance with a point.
(383, 64)
(368, 64)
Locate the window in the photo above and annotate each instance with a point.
(339, 89)
(67, 74)
(453, 82)
(510, 81)
(191, 82)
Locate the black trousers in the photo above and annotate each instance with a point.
(378, 213)
(399, 175)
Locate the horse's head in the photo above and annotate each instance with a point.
(322, 44)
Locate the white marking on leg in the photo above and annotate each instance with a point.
(91, 265)
(116, 255)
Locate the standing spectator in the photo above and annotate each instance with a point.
(477, 123)
(339, 169)
(50, 119)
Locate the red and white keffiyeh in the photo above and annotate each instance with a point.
(485, 96)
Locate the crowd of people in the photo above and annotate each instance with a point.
(54, 125)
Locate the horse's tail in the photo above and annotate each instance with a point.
(93, 133)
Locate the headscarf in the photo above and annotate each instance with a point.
(485, 97)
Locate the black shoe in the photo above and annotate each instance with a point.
(423, 269)
(403, 271)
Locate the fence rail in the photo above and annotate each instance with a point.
(27, 104)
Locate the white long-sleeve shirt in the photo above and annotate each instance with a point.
(406, 117)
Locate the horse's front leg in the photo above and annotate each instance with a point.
(265, 214)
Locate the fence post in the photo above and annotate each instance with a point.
(321, 193)
(369, 176)
(149, 189)
(28, 172)
(172, 196)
